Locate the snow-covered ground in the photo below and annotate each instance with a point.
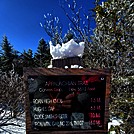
(20, 127)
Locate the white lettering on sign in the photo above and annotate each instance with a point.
(46, 101)
(39, 116)
(42, 124)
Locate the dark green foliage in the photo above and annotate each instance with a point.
(13, 59)
(7, 55)
(27, 58)
(9, 58)
(42, 56)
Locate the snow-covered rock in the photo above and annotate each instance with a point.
(69, 49)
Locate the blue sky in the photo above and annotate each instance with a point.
(20, 20)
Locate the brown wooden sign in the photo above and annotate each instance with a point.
(66, 101)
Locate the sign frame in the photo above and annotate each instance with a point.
(61, 71)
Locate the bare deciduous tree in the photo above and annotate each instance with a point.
(11, 97)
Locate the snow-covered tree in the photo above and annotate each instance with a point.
(11, 97)
(113, 35)
(113, 47)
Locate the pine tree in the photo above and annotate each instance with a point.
(27, 58)
(42, 56)
(7, 55)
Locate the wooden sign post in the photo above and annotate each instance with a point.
(66, 101)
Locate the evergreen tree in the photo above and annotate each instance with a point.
(42, 56)
(7, 55)
(27, 58)
(18, 62)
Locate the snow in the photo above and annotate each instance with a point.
(72, 66)
(19, 128)
(75, 66)
(50, 66)
(69, 49)
(112, 132)
(115, 122)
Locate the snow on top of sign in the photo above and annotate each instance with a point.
(69, 49)
(72, 66)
